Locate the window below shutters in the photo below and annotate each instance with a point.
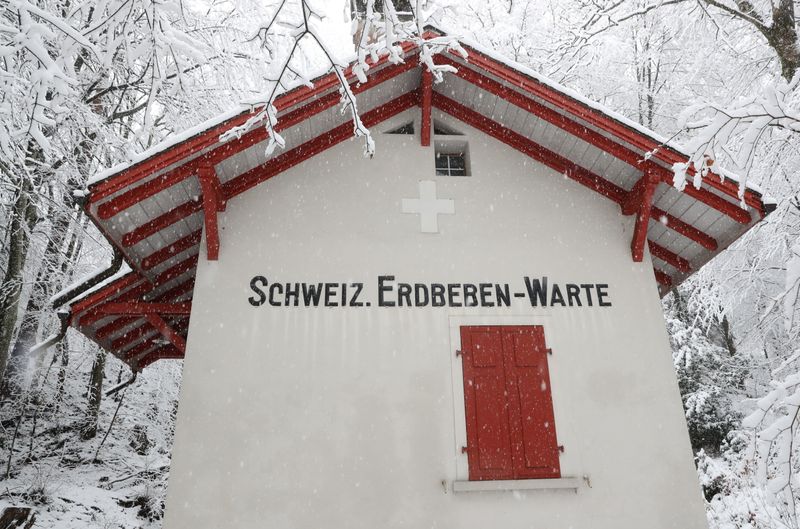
(509, 408)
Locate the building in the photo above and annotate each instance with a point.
(461, 332)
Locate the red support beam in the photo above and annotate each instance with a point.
(715, 201)
(143, 308)
(662, 278)
(274, 166)
(209, 138)
(167, 332)
(600, 120)
(181, 245)
(134, 338)
(120, 323)
(687, 230)
(426, 89)
(669, 257)
(646, 188)
(164, 353)
(209, 183)
(530, 148)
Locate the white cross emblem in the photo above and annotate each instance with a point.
(428, 207)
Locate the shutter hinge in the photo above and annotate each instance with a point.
(459, 352)
(549, 351)
(561, 448)
(464, 450)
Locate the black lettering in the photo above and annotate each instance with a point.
(470, 295)
(503, 295)
(292, 293)
(601, 295)
(403, 293)
(330, 294)
(384, 288)
(272, 288)
(437, 295)
(588, 289)
(344, 295)
(556, 296)
(420, 295)
(537, 292)
(262, 297)
(311, 294)
(574, 293)
(354, 300)
(453, 294)
(486, 294)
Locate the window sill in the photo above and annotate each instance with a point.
(568, 483)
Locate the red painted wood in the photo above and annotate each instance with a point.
(530, 148)
(715, 201)
(648, 188)
(122, 322)
(209, 183)
(662, 278)
(211, 136)
(669, 257)
(687, 230)
(114, 288)
(130, 197)
(167, 332)
(509, 410)
(142, 308)
(601, 121)
(165, 353)
(181, 245)
(426, 89)
(123, 346)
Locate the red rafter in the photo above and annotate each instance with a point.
(603, 122)
(669, 257)
(165, 353)
(644, 194)
(167, 332)
(142, 308)
(181, 245)
(662, 277)
(426, 89)
(211, 205)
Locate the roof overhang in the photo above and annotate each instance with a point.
(154, 210)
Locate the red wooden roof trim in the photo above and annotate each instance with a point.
(167, 332)
(528, 147)
(157, 224)
(211, 205)
(669, 257)
(120, 323)
(140, 308)
(211, 136)
(165, 353)
(602, 121)
(687, 230)
(662, 278)
(426, 89)
(648, 188)
(180, 245)
(123, 345)
(114, 287)
(715, 201)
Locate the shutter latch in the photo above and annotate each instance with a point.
(549, 351)
(459, 352)
(464, 450)
(561, 448)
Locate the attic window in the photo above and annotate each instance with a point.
(452, 158)
(443, 130)
(408, 128)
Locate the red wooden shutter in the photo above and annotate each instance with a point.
(509, 408)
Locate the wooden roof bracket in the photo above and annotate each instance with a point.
(426, 98)
(167, 332)
(212, 203)
(640, 200)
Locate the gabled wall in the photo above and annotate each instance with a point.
(353, 417)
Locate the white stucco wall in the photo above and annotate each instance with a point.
(310, 418)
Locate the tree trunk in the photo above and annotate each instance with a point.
(23, 219)
(95, 395)
(783, 38)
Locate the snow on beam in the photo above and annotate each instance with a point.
(642, 193)
(212, 201)
(426, 89)
(167, 332)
